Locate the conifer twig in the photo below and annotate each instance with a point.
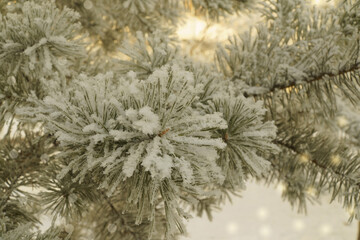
(312, 79)
(123, 221)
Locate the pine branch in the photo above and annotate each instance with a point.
(339, 166)
(311, 79)
(341, 176)
(11, 188)
(123, 221)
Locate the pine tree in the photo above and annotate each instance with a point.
(111, 127)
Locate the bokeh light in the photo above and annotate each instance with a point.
(232, 228)
(298, 225)
(262, 213)
(325, 229)
(265, 231)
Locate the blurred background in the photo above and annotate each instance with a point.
(260, 214)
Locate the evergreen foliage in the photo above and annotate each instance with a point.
(102, 112)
